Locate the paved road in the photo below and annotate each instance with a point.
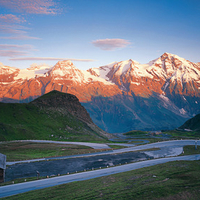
(129, 138)
(167, 148)
(170, 143)
(92, 145)
(39, 184)
(71, 165)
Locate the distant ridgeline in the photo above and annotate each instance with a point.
(121, 96)
(55, 115)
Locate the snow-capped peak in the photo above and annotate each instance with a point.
(117, 68)
(124, 66)
(65, 70)
(173, 58)
(6, 70)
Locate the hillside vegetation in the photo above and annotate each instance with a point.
(56, 116)
(190, 129)
(192, 124)
(168, 181)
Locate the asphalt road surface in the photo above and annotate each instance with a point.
(39, 184)
(92, 145)
(71, 165)
(167, 148)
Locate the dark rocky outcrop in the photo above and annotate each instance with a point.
(65, 103)
(192, 124)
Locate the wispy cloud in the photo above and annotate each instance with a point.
(11, 29)
(9, 18)
(14, 50)
(20, 37)
(9, 46)
(31, 6)
(12, 53)
(111, 44)
(17, 32)
(50, 58)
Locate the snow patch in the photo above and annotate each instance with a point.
(164, 98)
(182, 111)
(38, 82)
(91, 78)
(135, 83)
(33, 71)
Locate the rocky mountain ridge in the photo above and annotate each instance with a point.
(168, 73)
(168, 86)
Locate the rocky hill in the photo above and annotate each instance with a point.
(192, 124)
(120, 96)
(56, 115)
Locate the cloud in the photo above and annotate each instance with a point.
(21, 37)
(31, 6)
(11, 29)
(11, 46)
(50, 58)
(111, 44)
(9, 18)
(14, 50)
(12, 53)
(16, 32)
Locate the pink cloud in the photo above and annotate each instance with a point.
(14, 50)
(16, 32)
(31, 6)
(51, 58)
(9, 18)
(12, 53)
(20, 37)
(111, 44)
(10, 29)
(15, 46)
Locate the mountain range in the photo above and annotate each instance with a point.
(120, 96)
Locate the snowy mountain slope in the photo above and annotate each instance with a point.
(160, 94)
(65, 70)
(27, 84)
(169, 73)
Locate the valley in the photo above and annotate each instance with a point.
(93, 159)
(169, 150)
(99, 100)
(113, 126)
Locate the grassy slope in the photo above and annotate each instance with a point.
(28, 150)
(25, 121)
(174, 180)
(178, 134)
(192, 124)
(175, 134)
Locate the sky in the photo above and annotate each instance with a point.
(94, 33)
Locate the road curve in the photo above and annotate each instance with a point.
(169, 145)
(14, 189)
(92, 145)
